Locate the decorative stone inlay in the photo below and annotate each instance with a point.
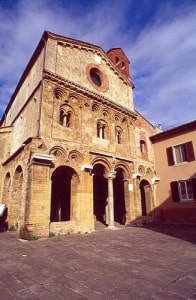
(76, 156)
(58, 152)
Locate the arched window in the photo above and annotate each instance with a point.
(123, 65)
(68, 119)
(101, 129)
(118, 135)
(117, 61)
(65, 117)
(62, 116)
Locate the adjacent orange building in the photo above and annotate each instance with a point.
(175, 152)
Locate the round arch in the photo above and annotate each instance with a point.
(146, 198)
(100, 191)
(120, 186)
(65, 182)
(102, 161)
(125, 168)
(16, 204)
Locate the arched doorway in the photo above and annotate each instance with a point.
(119, 197)
(64, 188)
(146, 198)
(100, 192)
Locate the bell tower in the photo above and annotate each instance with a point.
(118, 57)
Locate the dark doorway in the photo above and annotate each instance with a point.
(100, 192)
(146, 192)
(119, 197)
(61, 194)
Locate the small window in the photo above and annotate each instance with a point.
(118, 135)
(180, 153)
(143, 147)
(123, 65)
(68, 119)
(117, 61)
(61, 119)
(101, 130)
(65, 118)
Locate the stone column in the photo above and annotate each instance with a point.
(111, 200)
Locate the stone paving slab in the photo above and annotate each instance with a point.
(151, 262)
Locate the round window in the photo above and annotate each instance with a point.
(95, 76)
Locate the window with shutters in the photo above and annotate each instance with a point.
(184, 190)
(181, 153)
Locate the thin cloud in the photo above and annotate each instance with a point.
(164, 66)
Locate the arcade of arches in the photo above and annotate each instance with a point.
(111, 197)
(79, 199)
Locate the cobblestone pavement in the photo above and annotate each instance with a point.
(151, 262)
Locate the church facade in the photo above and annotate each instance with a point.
(73, 149)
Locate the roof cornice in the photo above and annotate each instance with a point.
(187, 127)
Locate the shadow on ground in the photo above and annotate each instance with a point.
(179, 231)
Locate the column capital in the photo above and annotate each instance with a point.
(111, 175)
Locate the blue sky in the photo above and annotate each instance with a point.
(159, 38)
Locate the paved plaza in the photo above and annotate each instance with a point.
(151, 262)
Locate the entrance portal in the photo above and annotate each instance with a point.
(64, 185)
(119, 197)
(100, 192)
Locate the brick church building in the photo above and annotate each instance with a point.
(73, 150)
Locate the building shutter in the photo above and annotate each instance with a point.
(175, 192)
(170, 157)
(194, 187)
(189, 151)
